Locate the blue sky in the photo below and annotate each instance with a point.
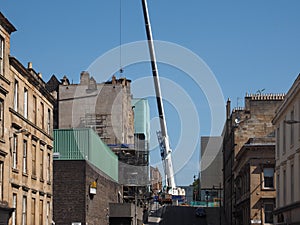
(248, 45)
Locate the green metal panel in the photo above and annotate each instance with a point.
(102, 156)
(85, 144)
(141, 116)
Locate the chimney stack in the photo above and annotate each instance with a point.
(228, 109)
(84, 78)
(29, 65)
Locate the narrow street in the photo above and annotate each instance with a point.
(185, 215)
(179, 215)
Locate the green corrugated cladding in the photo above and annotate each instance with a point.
(141, 116)
(85, 144)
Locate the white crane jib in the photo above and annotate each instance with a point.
(163, 139)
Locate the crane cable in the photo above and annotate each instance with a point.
(120, 36)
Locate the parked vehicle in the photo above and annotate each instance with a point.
(200, 211)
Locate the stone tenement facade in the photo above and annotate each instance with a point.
(254, 182)
(252, 121)
(26, 110)
(105, 107)
(287, 123)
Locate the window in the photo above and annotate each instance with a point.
(16, 95)
(278, 189)
(25, 103)
(284, 137)
(1, 118)
(42, 120)
(49, 121)
(25, 156)
(278, 142)
(14, 214)
(292, 182)
(33, 159)
(1, 180)
(269, 177)
(292, 128)
(1, 56)
(284, 187)
(34, 109)
(48, 214)
(42, 162)
(41, 213)
(15, 152)
(48, 167)
(268, 209)
(33, 211)
(298, 120)
(24, 210)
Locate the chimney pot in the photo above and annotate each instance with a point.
(29, 65)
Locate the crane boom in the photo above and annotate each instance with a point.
(164, 143)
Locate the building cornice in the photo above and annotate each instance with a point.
(289, 97)
(28, 122)
(6, 24)
(32, 78)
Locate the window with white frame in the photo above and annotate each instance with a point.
(33, 158)
(49, 121)
(25, 156)
(15, 152)
(268, 211)
(42, 161)
(34, 110)
(24, 210)
(48, 167)
(42, 118)
(268, 177)
(1, 56)
(14, 214)
(16, 95)
(25, 103)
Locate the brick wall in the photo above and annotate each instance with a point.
(72, 201)
(68, 192)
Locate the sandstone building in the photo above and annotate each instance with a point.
(26, 110)
(255, 182)
(122, 124)
(252, 121)
(287, 125)
(105, 107)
